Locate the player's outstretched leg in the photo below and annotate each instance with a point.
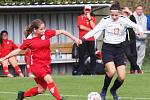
(31, 92)
(115, 87)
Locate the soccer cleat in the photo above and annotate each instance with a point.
(31, 75)
(114, 94)
(20, 95)
(21, 75)
(10, 75)
(62, 98)
(132, 71)
(103, 97)
(103, 94)
(139, 71)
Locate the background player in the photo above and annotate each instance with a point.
(6, 46)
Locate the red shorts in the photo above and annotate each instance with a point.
(40, 72)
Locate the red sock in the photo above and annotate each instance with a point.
(54, 91)
(6, 71)
(18, 70)
(31, 92)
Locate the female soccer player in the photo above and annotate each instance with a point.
(6, 46)
(114, 27)
(39, 44)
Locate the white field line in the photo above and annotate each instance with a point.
(83, 96)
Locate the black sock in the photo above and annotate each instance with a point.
(117, 84)
(137, 67)
(107, 81)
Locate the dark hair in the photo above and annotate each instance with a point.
(139, 5)
(1, 39)
(115, 6)
(34, 25)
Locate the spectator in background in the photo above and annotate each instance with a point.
(6, 46)
(86, 23)
(130, 43)
(140, 40)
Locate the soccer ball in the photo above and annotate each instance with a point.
(94, 96)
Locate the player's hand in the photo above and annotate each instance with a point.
(31, 75)
(2, 59)
(140, 33)
(78, 41)
(88, 16)
(83, 40)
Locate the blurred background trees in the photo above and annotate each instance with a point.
(130, 3)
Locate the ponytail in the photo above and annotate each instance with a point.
(28, 30)
(35, 24)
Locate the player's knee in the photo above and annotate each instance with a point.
(111, 73)
(48, 79)
(121, 78)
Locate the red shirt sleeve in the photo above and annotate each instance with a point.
(79, 21)
(26, 44)
(50, 33)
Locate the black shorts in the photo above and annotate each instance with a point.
(113, 52)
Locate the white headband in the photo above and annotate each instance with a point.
(114, 10)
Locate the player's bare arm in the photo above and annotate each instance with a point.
(78, 41)
(13, 53)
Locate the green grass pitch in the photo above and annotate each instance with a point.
(135, 87)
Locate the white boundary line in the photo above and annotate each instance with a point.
(83, 96)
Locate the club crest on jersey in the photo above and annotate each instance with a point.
(43, 37)
(7, 42)
(116, 31)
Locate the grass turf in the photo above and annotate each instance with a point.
(77, 87)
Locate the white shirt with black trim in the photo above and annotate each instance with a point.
(115, 31)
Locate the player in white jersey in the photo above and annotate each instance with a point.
(114, 27)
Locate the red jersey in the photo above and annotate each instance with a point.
(6, 47)
(40, 48)
(83, 20)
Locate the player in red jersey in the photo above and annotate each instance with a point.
(28, 57)
(39, 44)
(6, 46)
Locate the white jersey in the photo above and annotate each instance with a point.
(114, 31)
